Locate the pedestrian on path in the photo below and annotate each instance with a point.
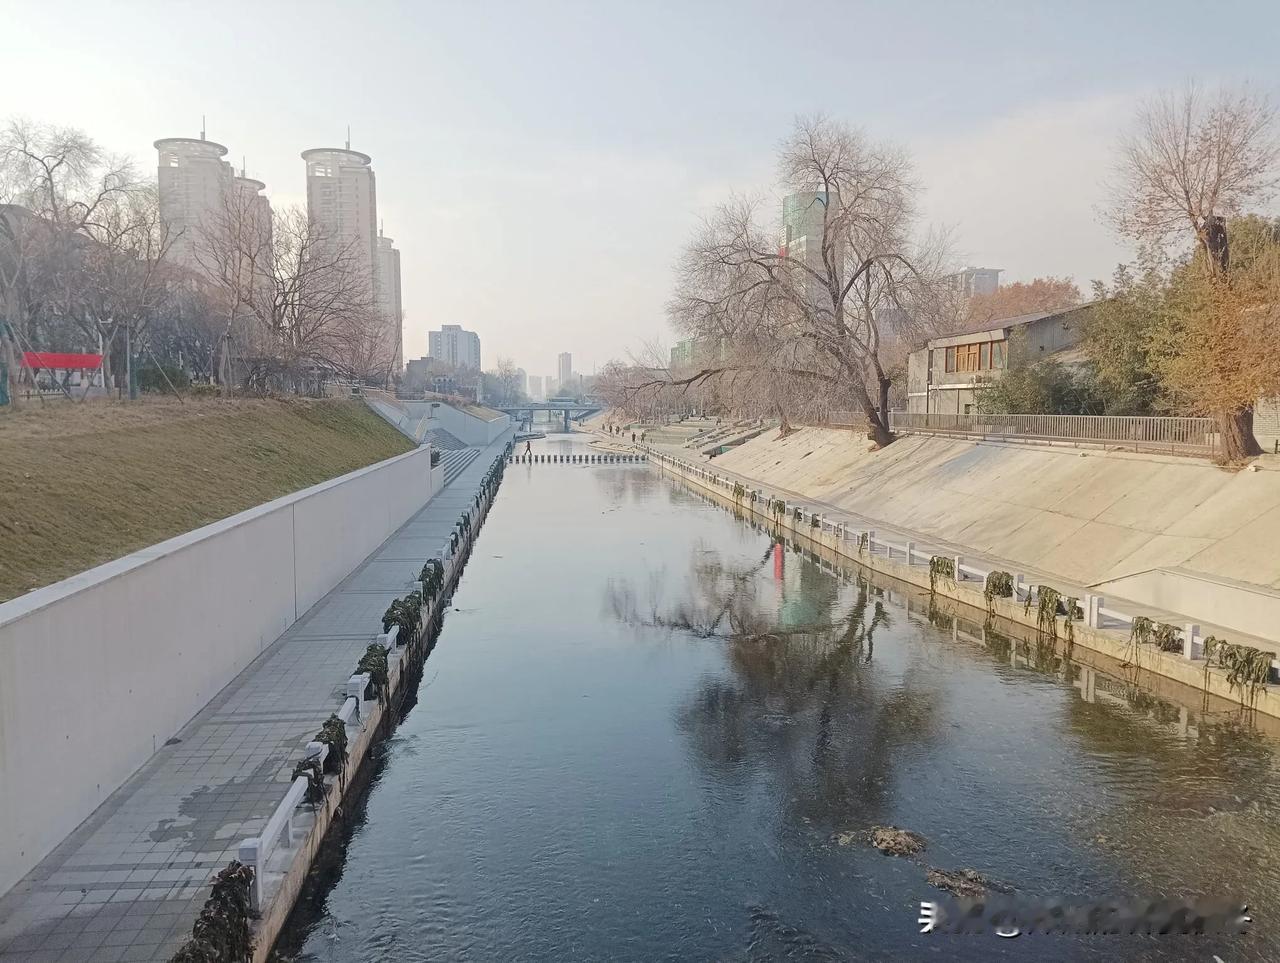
(528, 449)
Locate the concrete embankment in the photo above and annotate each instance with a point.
(853, 537)
(99, 670)
(137, 870)
(1174, 533)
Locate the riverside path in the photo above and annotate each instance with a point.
(128, 883)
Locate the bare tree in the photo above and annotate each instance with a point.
(1191, 161)
(309, 297)
(804, 323)
(124, 275)
(68, 187)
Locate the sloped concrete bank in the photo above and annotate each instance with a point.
(853, 545)
(1150, 528)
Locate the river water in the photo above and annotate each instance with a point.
(646, 725)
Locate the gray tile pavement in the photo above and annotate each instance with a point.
(130, 881)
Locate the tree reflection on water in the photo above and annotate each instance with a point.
(803, 702)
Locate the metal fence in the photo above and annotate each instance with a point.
(1178, 436)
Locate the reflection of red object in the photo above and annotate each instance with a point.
(778, 556)
(57, 359)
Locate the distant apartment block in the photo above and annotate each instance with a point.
(454, 345)
(194, 186)
(342, 199)
(535, 388)
(390, 305)
(975, 280)
(565, 366)
(696, 352)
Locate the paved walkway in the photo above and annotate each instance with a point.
(130, 881)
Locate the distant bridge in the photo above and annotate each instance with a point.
(575, 410)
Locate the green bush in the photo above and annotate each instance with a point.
(151, 378)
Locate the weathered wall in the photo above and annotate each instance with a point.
(1089, 517)
(99, 670)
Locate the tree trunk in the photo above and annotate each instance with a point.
(1238, 440)
(878, 430)
(10, 365)
(784, 427)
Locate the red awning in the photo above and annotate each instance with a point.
(59, 359)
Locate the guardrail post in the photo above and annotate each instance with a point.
(248, 854)
(1192, 647)
(1017, 588)
(959, 560)
(911, 551)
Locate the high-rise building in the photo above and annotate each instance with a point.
(803, 221)
(565, 366)
(975, 280)
(454, 345)
(389, 303)
(342, 199)
(192, 181)
(522, 381)
(535, 388)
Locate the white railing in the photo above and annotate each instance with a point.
(1096, 614)
(1172, 435)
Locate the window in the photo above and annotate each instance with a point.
(966, 357)
(951, 359)
(998, 354)
(984, 355)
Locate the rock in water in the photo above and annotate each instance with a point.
(895, 841)
(964, 883)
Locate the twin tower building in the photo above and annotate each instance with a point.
(194, 183)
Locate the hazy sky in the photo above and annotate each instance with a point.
(540, 163)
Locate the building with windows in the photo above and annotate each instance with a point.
(342, 199)
(975, 280)
(565, 366)
(535, 388)
(192, 181)
(390, 306)
(698, 352)
(454, 345)
(947, 375)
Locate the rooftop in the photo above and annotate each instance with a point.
(364, 160)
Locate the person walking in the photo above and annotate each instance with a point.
(528, 450)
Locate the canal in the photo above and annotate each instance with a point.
(647, 728)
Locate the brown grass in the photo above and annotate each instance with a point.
(81, 484)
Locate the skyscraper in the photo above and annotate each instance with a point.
(192, 181)
(804, 217)
(454, 345)
(389, 303)
(566, 372)
(535, 388)
(342, 200)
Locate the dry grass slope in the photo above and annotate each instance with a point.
(83, 484)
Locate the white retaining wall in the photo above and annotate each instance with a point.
(98, 670)
(468, 428)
